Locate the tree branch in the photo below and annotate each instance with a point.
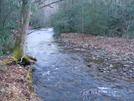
(50, 4)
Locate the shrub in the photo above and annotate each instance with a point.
(5, 43)
(100, 17)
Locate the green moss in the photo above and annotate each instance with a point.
(6, 61)
(31, 86)
(17, 42)
(17, 53)
(28, 76)
(28, 57)
(30, 83)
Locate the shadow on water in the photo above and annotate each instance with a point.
(61, 74)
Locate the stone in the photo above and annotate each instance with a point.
(130, 71)
(111, 66)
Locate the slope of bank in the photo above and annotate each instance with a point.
(15, 82)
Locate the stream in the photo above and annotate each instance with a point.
(60, 73)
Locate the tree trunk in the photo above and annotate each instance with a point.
(24, 23)
(19, 47)
(19, 55)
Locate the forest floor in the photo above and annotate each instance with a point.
(110, 44)
(15, 82)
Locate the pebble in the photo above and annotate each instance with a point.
(130, 71)
(93, 58)
(126, 65)
(131, 62)
(111, 66)
(75, 67)
(124, 69)
(102, 69)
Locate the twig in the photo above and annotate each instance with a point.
(50, 4)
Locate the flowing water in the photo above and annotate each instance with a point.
(60, 74)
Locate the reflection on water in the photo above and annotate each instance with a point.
(60, 74)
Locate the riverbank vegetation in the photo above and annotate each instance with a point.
(97, 17)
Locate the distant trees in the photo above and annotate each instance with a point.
(41, 17)
(98, 17)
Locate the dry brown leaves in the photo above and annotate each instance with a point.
(14, 86)
(111, 44)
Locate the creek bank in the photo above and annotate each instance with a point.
(16, 83)
(104, 55)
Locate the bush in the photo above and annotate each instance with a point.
(5, 43)
(100, 17)
(9, 12)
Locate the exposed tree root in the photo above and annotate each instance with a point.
(26, 61)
